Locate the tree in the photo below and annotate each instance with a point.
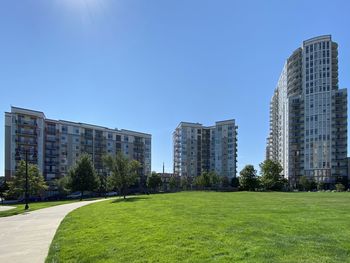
(235, 182)
(342, 180)
(102, 183)
(271, 178)
(186, 182)
(225, 181)
(36, 182)
(207, 180)
(248, 179)
(339, 187)
(199, 182)
(3, 189)
(214, 179)
(174, 183)
(321, 186)
(63, 185)
(123, 172)
(83, 176)
(154, 181)
(307, 184)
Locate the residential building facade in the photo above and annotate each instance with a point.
(308, 115)
(56, 145)
(198, 149)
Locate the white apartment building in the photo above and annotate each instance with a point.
(56, 145)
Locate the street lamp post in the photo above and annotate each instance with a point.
(26, 185)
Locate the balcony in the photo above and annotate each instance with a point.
(29, 123)
(22, 132)
(27, 142)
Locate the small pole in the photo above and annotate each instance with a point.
(26, 188)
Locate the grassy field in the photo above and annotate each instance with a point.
(19, 208)
(208, 227)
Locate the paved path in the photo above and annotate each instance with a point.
(27, 237)
(5, 208)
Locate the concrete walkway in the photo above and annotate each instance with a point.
(27, 237)
(5, 207)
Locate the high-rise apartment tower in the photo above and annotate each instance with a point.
(308, 115)
(199, 149)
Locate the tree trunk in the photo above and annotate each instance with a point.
(81, 195)
(124, 192)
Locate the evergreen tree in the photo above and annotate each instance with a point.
(271, 178)
(36, 182)
(248, 179)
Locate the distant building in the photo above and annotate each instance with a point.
(308, 115)
(199, 149)
(56, 145)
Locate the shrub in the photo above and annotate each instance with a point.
(339, 187)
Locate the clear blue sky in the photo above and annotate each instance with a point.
(147, 65)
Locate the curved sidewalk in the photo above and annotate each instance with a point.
(27, 237)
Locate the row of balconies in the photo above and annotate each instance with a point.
(26, 132)
(26, 142)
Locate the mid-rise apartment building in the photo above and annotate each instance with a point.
(308, 115)
(56, 145)
(199, 149)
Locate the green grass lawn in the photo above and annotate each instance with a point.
(19, 208)
(208, 227)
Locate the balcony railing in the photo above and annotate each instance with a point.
(27, 123)
(31, 133)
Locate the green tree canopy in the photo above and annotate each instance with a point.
(339, 187)
(225, 181)
(214, 179)
(63, 185)
(271, 178)
(154, 181)
(174, 183)
(186, 182)
(3, 189)
(235, 182)
(36, 182)
(207, 179)
(248, 179)
(123, 172)
(307, 184)
(83, 175)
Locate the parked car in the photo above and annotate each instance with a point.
(87, 194)
(74, 195)
(54, 197)
(112, 193)
(30, 199)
